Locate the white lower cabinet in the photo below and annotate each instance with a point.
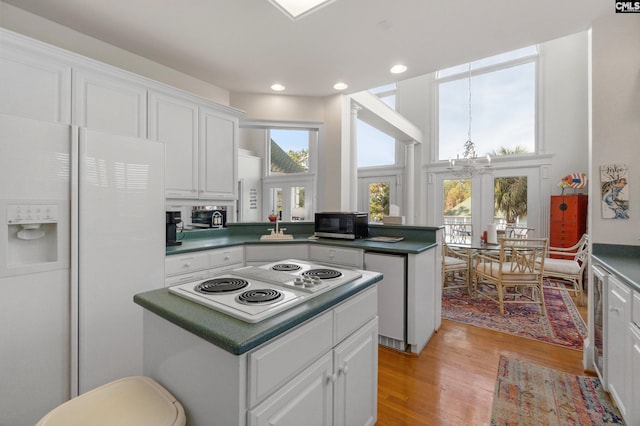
(618, 345)
(340, 388)
(634, 409)
(202, 264)
(306, 400)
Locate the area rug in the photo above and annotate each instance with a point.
(562, 326)
(529, 394)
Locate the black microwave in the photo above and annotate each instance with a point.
(345, 225)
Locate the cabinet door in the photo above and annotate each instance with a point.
(356, 369)
(174, 122)
(634, 414)
(33, 84)
(307, 400)
(218, 155)
(619, 317)
(109, 103)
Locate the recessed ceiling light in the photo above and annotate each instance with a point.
(295, 9)
(398, 69)
(277, 87)
(340, 86)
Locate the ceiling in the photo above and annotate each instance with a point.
(247, 45)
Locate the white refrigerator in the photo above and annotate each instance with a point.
(81, 232)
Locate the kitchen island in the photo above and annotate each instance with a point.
(317, 360)
(409, 297)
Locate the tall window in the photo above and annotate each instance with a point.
(289, 184)
(499, 100)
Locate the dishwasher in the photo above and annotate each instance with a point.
(392, 297)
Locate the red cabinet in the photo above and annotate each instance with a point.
(568, 219)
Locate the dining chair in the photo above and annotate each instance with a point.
(568, 264)
(455, 269)
(513, 231)
(514, 275)
(458, 233)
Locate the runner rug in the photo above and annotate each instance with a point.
(562, 326)
(529, 394)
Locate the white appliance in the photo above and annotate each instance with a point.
(254, 293)
(598, 333)
(80, 233)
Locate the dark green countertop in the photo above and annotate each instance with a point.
(416, 238)
(234, 335)
(622, 260)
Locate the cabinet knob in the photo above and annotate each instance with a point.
(332, 378)
(186, 264)
(344, 370)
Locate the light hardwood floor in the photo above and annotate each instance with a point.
(451, 382)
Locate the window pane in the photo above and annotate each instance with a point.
(375, 148)
(502, 113)
(289, 151)
(275, 201)
(378, 201)
(510, 201)
(457, 211)
(297, 203)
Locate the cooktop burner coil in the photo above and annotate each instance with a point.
(287, 267)
(323, 274)
(260, 296)
(221, 285)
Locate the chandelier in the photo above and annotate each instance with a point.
(469, 165)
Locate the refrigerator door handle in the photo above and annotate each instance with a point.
(75, 162)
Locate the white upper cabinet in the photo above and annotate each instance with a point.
(174, 121)
(110, 103)
(217, 155)
(33, 84)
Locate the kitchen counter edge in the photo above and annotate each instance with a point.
(405, 246)
(234, 335)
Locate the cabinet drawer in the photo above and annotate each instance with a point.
(174, 265)
(186, 278)
(354, 313)
(227, 256)
(339, 256)
(635, 309)
(278, 362)
(274, 252)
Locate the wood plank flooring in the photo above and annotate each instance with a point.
(451, 382)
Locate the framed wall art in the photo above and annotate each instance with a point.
(614, 191)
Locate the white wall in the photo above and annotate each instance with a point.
(278, 107)
(283, 108)
(20, 21)
(565, 126)
(615, 120)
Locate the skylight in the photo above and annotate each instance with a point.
(295, 9)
